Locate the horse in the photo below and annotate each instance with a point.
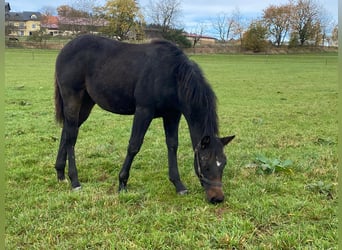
(152, 80)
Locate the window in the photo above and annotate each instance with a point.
(34, 26)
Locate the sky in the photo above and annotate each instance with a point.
(194, 11)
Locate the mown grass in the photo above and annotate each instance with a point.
(282, 107)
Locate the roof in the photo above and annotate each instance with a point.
(82, 21)
(53, 22)
(192, 35)
(7, 7)
(24, 16)
(50, 22)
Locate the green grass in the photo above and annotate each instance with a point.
(281, 107)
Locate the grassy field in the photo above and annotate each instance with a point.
(280, 181)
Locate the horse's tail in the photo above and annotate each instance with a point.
(59, 114)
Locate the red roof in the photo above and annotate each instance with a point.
(54, 21)
(50, 22)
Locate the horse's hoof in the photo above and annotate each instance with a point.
(122, 187)
(76, 189)
(183, 192)
(63, 180)
(122, 190)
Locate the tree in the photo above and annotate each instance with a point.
(304, 18)
(39, 37)
(198, 33)
(165, 16)
(48, 10)
(85, 6)
(239, 26)
(68, 11)
(326, 24)
(228, 25)
(223, 24)
(125, 19)
(165, 13)
(70, 19)
(255, 37)
(220, 25)
(334, 36)
(277, 19)
(176, 36)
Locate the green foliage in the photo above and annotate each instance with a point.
(281, 106)
(254, 38)
(294, 40)
(270, 166)
(125, 19)
(176, 36)
(322, 188)
(38, 36)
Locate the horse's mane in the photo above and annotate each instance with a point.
(195, 91)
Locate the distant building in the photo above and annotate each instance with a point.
(59, 25)
(23, 23)
(7, 8)
(201, 39)
(50, 24)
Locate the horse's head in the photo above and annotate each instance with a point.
(210, 161)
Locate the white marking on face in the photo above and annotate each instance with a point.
(218, 163)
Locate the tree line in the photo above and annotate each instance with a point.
(294, 23)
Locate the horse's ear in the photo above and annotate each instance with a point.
(226, 140)
(205, 142)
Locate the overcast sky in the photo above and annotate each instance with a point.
(194, 11)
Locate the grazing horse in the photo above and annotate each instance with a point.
(148, 81)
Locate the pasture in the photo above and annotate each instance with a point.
(280, 181)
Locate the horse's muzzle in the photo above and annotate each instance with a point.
(215, 195)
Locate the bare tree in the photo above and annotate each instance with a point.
(326, 24)
(197, 34)
(165, 13)
(240, 25)
(227, 25)
(85, 6)
(48, 10)
(220, 25)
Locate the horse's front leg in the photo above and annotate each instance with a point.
(171, 124)
(141, 122)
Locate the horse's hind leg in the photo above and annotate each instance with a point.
(76, 111)
(66, 151)
(61, 158)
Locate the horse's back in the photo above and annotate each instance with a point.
(118, 76)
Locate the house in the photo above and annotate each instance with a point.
(50, 24)
(7, 8)
(60, 25)
(200, 38)
(23, 23)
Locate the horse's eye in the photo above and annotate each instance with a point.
(203, 158)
